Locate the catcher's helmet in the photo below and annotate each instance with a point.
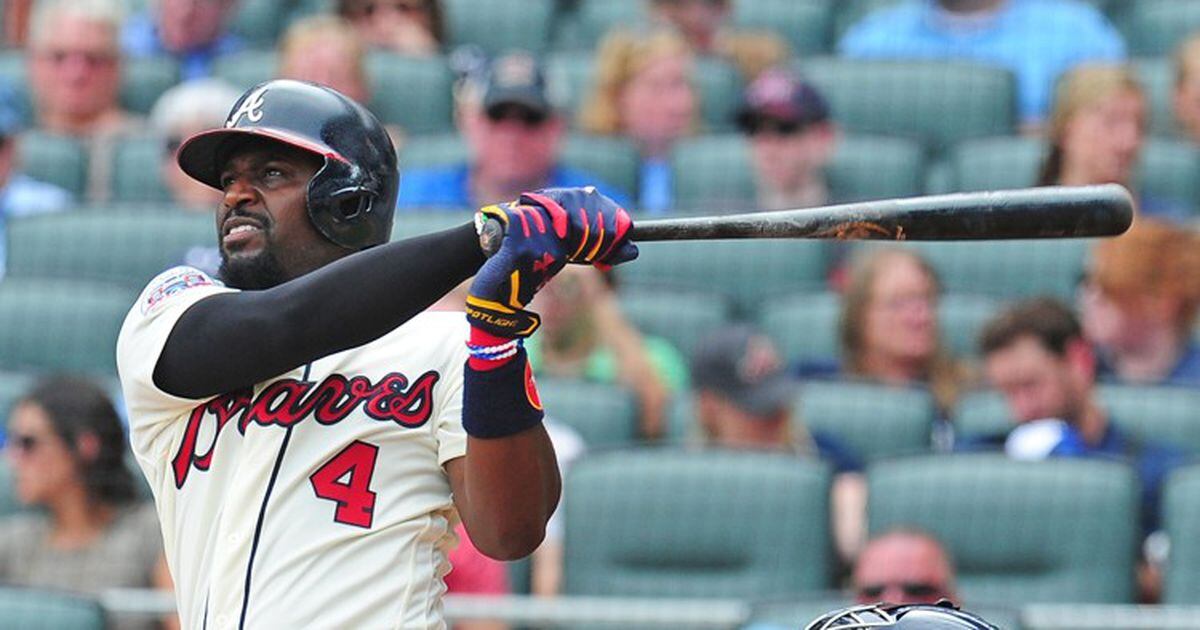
(352, 198)
(940, 616)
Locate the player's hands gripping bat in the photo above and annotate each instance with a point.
(543, 231)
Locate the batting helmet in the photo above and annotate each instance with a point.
(940, 616)
(352, 198)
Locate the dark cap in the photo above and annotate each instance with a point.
(781, 96)
(743, 365)
(516, 79)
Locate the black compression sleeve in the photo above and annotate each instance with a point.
(234, 340)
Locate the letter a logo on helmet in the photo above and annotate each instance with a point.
(352, 197)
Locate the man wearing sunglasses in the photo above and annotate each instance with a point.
(792, 139)
(513, 134)
(903, 567)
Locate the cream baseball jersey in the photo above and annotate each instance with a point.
(315, 499)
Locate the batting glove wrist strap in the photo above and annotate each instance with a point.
(500, 402)
(500, 320)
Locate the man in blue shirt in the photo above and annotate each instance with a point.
(1036, 39)
(192, 32)
(20, 194)
(513, 132)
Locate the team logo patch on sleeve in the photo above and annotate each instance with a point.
(173, 282)
(531, 391)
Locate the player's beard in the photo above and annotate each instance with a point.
(261, 271)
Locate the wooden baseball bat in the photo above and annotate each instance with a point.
(1050, 212)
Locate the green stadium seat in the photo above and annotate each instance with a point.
(683, 318)
(124, 248)
(756, 524)
(873, 421)
(715, 173)
(497, 26)
(1155, 413)
(12, 387)
(1181, 519)
(594, 18)
(1168, 172)
(746, 271)
(432, 150)
(36, 609)
(804, 326)
(64, 325)
(718, 85)
(145, 79)
(135, 178)
(937, 102)
(960, 317)
(9, 503)
(603, 414)
(1061, 530)
(1004, 269)
(60, 160)
(260, 22)
(247, 68)
(1157, 75)
(409, 224)
(1157, 27)
(804, 24)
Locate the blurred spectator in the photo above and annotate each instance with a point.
(180, 112)
(1036, 356)
(514, 133)
(14, 20)
(472, 573)
(1036, 39)
(904, 566)
(791, 140)
(20, 194)
(326, 49)
(67, 449)
(705, 25)
(585, 335)
(1186, 96)
(1138, 303)
(744, 399)
(889, 325)
(1096, 133)
(408, 27)
(194, 32)
(644, 90)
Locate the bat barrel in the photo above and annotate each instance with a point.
(1049, 212)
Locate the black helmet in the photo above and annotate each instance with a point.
(940, 616)
(352, 198)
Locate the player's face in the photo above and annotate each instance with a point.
(1036, 383)
(42, 463)
(264, 231)
(901, 318)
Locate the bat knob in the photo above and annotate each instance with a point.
(491, 234)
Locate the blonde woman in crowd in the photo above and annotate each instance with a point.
(643, 89)
(326, 49)
(1139, 301)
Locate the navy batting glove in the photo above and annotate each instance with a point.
(595, 229)
(532, 251)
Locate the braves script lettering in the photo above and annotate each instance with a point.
(287, 402)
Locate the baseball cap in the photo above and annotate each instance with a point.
(743, 365)
(781, 96)
(516, 79)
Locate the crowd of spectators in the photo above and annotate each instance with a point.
(1132, 320)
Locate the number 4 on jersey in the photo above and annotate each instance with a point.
(346, 480)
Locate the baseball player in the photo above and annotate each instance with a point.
(310, 434)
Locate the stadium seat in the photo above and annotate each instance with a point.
(64, 325)
(1156, 27)
(145, 79)
(12, 386)
(592, 19)
(937, 102)
(804, 326)
(409, 224)
(36, 609)
(1157, 75)
(246, 68)
(873, 421)
(136, 176)
(603, 414)
(1181, 519)
(756, 524)
(1004, 269)
(497, 26)
(804, 24)
(1061, 530)
(681, 317)
(1168, 172)
(124, 248)
(9, 503)
(746, 271)
(718, 85)
(261, 22)
(960, 317)
(1155, 413)
(54, 158)
(715, 173)
(442, 149)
